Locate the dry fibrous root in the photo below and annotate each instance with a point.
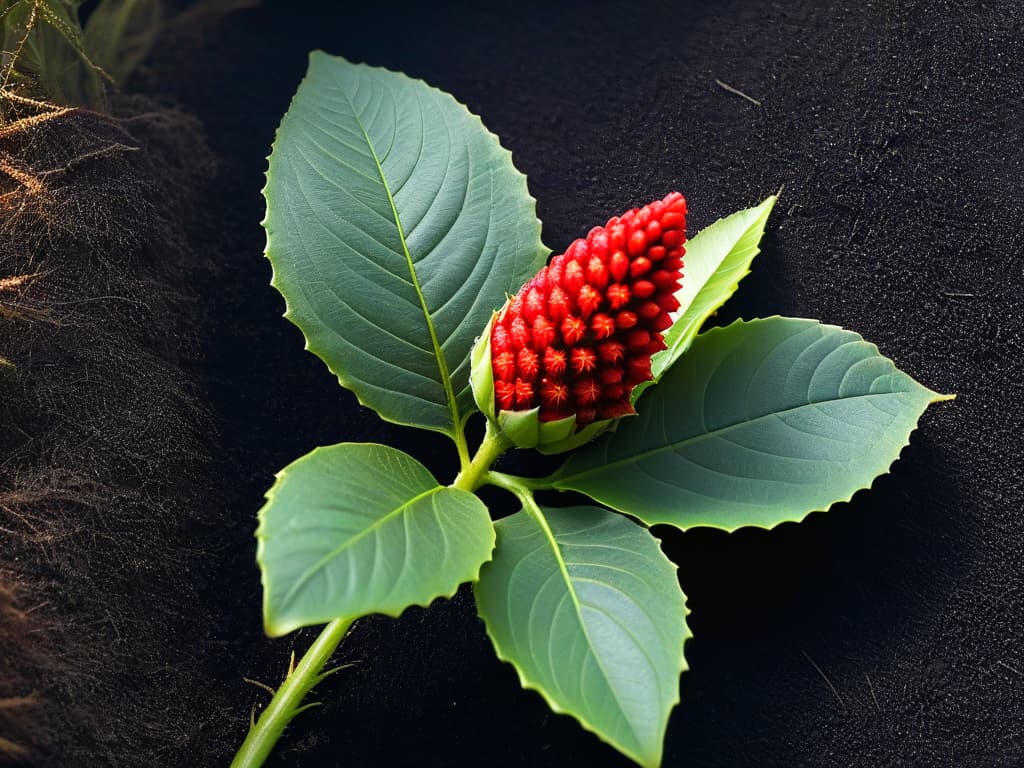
(104, 497)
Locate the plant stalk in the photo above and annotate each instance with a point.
(287, 702)
(474, 475)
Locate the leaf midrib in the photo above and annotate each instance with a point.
(324, 561)
(538, 514)
(559, 482)
(442, 364)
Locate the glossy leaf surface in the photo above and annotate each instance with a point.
(396, 224)
(759, 423)
(589, 611)
(354, 529)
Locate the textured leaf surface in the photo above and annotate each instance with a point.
(761, 422)
(395, 225)
(589, 611)
(354, 529)
(717, 258)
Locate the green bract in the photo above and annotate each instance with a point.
(397, 226)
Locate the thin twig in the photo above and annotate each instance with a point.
(738, 92)
(825, 678)
(1012, 669)
(872, 689)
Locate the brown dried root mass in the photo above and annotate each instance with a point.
(104, 504)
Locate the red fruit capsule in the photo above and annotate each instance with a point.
(578, 336)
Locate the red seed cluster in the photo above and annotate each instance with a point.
(579, 336)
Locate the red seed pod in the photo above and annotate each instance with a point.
(579, 336)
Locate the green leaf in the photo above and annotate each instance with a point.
(588, 609)
(717, 258)
(354, 529)
(760, 423)
(396, 224)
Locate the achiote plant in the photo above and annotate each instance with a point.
(408, 250)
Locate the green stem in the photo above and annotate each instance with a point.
(475, 473)
(286, 702)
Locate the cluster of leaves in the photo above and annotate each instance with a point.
(396, 225)
(46, 52)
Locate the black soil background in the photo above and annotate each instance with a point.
(889, 631)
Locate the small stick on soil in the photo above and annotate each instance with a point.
(959, 295)
(1002, 663)
(872, 689)
(827, 681)
(738, 92)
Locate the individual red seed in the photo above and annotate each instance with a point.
(618, 295)
(554, 394)
(611, 351)
(644, 289)
(597, 273)
(640, 266)
(667, 302)
(664, 278)
(556, 271)
(533, 305)
(639, 369)
(626, 319)
(675, 253)
(653, 232)
(673, 220)
(602, 326)
(614, 391)
(586, 390)
(500, 340)
(588, 300)
(618, 265)
(611, 375)
(558, 304)
(617, 237)
(504, 393)
(585, 415)
(672, 264)
(656, 345)
(554, 361)
(519, 333)
(573, 329)
(638, 339)
(524, 393)
(657, 253)
(672, 238)
(527, 364)
(637, 243)
(598, 243)
(649, 310)
(575, 277)
(578, 251)
(583, 360)
(672, 197)
(662, 322)
(543, 332)
(505, 366)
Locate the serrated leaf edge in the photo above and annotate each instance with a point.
(936, 398)
(527, 684)
(343, 379)
(280, 629)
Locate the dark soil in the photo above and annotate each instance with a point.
(888, 631)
